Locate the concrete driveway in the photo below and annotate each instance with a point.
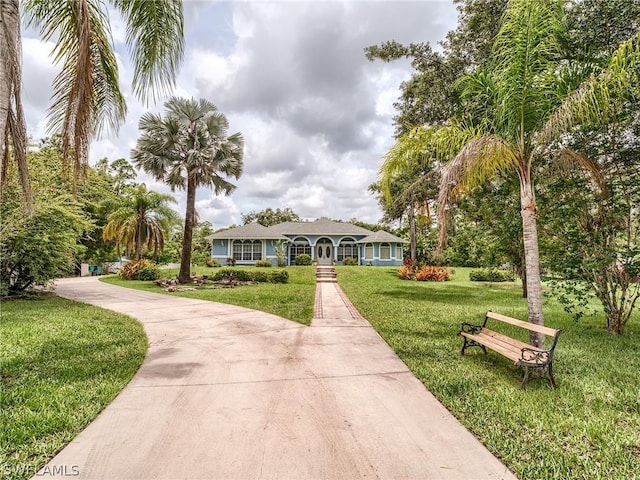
(231, 393)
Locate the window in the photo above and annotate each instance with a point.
(385, 251)
(368, 251)
(247, 250)
(399, 251)
(346, 249)
(300, 246)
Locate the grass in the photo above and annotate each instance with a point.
(293, 300)
(61, 363)
(588, 428)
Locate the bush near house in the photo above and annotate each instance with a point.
(264, 264)
(491, 275)
(279, 276)
(303, 259)
(210, 262)
(350, 261)
(140, 270)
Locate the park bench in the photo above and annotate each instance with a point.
(522, 354)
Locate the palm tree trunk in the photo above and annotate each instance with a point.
(185, 264)
(139, 240)
(412, 234)
(531, 256)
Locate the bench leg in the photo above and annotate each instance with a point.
(551, 379)
(525, 379)
(549, 370)
(470, 343)
(464, 345)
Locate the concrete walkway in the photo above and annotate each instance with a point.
(231, 393)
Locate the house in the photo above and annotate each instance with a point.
(324, 240)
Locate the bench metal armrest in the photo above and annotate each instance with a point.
(469, 328)
(530, 356)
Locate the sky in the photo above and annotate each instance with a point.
(291, 76)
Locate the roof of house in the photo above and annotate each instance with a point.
(322, 226)
(251, 231)
(382, 236)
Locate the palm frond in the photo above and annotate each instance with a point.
(479, 160)
(567, 160)
(593, 101)
(155, 37)
(13, 130)
(525, 55)
(411, 148)
(190, 142)
(86, 95)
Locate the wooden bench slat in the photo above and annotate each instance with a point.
(508, 351)
(511, 341)
(521, 323)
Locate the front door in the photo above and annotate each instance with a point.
(324, 252)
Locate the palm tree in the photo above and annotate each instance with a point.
(87, 96)
(410, 166)
(142, 217)
(524, 113)
(518, 115)
(186, 149)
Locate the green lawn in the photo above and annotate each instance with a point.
(61, 363)
(588, 428)
(293, 300)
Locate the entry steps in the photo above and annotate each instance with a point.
(325, 274)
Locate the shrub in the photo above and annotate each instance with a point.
(238, 274)
(432, 274)
(241, 275)
(350, 261)
(141, 270)
(281, 276)
(210, 262)
(261, 277)
(491, 275)
(148, 273)
(231, 262)
(303, 259)
(280, 250)
(263, 264)
(38, 248)
(406, 272)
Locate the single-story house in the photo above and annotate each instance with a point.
(325, 241)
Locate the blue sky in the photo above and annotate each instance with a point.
(292, 77)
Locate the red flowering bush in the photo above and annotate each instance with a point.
(432, 274)
(406, 272)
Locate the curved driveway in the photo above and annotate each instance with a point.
(231, 393)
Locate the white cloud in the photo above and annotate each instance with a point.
(292, 77)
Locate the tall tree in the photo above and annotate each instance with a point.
(517, 94)
(142, 217)
(525, 109)
(410, 162)
(186, 149)
(269, 216)
(87, 96)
